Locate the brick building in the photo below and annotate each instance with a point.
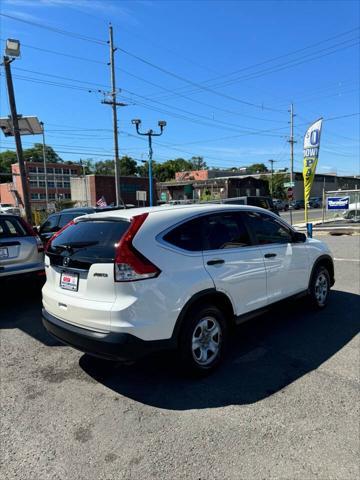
(58, 182)
(87, 190)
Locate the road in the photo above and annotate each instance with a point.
(298, 215)
(283, 406)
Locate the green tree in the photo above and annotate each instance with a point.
(35, 154)
(257, 168)
(278, 189)
(128, 167)
(198, 163)
(6, 159)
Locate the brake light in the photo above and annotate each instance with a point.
(131, 265)
(57, 234)
(33, 233)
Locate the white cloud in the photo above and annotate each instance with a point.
(107, 7)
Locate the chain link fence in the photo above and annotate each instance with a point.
(341, 205)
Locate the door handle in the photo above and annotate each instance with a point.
(216, 262)
(270, 255)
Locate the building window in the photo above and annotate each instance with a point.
(40, 170)
(32, 169)
(33, 183)
(58, 170)
(51, 196)
(51, 184)
(59, 184)
(66, 171)
(49, 170)
(66, 184)
(41, 183)
(68, 196)
(73, 172)
(34, 196)
(42, 196)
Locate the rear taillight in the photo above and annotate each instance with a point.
(131, 265)
(57, 234)
(33, 233)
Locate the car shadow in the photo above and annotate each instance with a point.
(267, 354)
(20, 307)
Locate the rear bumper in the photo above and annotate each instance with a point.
(22, 274)
(111, 346)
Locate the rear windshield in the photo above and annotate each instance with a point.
(11, 227)
(88, 242)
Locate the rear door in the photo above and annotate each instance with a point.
(18, 249)
(286, 262)
(236, 266)
(80, 272)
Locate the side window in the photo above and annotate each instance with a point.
(267, 230)
(225, 230)
(50, 225)
(187, 236)
(66, 218)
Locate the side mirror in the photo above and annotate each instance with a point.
(299, 237)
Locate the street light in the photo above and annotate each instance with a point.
(12, 48)
(12, 51)
(149, 134)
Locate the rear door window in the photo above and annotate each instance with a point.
(65, 218)
(50, 225)
(11, 227)
(225, 230)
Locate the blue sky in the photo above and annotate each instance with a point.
(221, 73)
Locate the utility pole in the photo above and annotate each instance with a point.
(114, 105)
(272, 176)
(291, 141)
(45, 170)
(15, 124)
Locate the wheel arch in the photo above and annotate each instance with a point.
(211, 296)
(326, 261)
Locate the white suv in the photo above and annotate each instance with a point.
(124, 283)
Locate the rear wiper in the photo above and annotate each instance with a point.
(71, 245)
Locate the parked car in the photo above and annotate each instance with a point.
(10, 209)
(125, 283)
(56, 221)
(315, 202)
(297, 204)
(260, 201)
(21, 250)
(281, 205)
(353, 213)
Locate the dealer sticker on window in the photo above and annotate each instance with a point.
(69, 281)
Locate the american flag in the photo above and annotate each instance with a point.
(101, 202)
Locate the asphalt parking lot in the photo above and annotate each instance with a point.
(285, 405)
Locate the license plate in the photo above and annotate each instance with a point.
(4, 253)
(69, 281)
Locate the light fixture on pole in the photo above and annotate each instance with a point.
(149, 134)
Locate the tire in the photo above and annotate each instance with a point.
(203, 340)
(319, 287)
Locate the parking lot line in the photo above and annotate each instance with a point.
(346, 260)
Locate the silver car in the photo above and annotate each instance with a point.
(21, 250)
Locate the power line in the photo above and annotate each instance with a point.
(284, 55)
(56, 30)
